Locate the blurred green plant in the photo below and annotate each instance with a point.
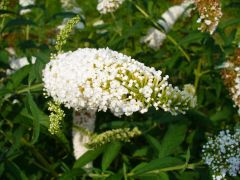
(169, 147)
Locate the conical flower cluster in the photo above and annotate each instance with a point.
(210, 13)
(108, 6)
(102, 79)
(231, 76)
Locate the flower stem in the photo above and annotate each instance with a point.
(197, 73)
(184, 166)
(170, 38)
(173, 168)
(29, 88)
(2, 23)
(133, 175)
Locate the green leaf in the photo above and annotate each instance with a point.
(15, 171)
(4, 94)
(18, 22)
(52, 7)
(35, 72)
(139, 167)
(61, 136)
(172, 139)
(4, 58)
(112, 150)
(223, 114)
(26, 118)
(157, 164)
(72, 174)
(24, 115)
(189, 175)
(188, 155)
(154, 143)
(229, 22)
(6, 12)
(63, 15)
(159, 176)
(88, 157)
(141, 152)
(18, 76)
(2, 168)
(36, 118)
(32, 75)
(115, 177)
(192, 38)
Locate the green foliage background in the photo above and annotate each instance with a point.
(170, 147)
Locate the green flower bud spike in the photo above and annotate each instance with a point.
(64, 33)
(56, 117)
(122, 134)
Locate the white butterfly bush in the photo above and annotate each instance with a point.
(222, 154)
(90, 80)
(210, 14)
(108, 6)
(154, 37)
(102, 79)
(231, 76)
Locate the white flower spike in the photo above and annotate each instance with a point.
(101, 79)
(108, 6)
